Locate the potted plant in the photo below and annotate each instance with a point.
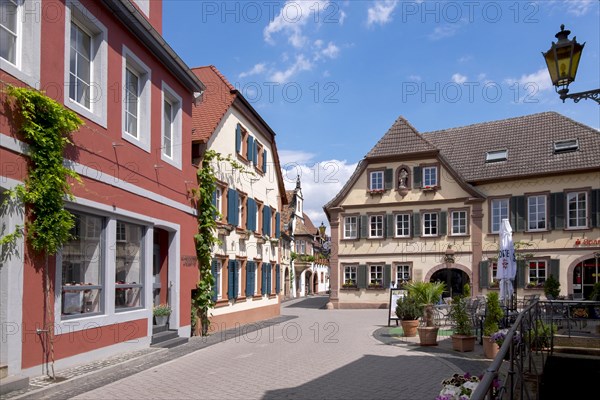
(427, 294)
(161, 314)
(551, 288)
(462, 338)
(409, 311)
(491, 323)
(539, 336)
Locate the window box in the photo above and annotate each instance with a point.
(375, 286)
(376, 191)
(429, 188)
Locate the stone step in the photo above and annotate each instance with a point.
(3, 371)
(167, 344)
(11, 383)
(163, 337)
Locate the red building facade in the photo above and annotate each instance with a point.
(133, 241)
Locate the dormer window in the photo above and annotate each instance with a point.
(376, 180)
(566, 146)
(430, 177)
(496, 156)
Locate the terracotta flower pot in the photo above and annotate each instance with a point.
(409, 327)
(428, 335)
(490, 349)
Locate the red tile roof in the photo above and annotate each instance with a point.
(217, 98)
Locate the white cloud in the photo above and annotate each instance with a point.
(444, 31)
(579, 8)
(257, 69)
(321, 181)
(458, 78)
(465, 59)
(331, 51)
(381, 12)
(290, 21)
(415, 78)
(290, 158)
(299, 65)
(540, 79)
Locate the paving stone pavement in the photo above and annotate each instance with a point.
(306, 353)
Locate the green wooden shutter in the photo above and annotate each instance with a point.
(213, 268)
(238, 138)
(484, 274)
(388, 178)
(250, 148)
(416, 226)
(521, 273)
(595, 209)
(443, 223)
(361, 276)
(231, 292)
(557, 210)
(277, 278)
(277, 225)
(555, 269)
(387, 275)
(518, 218)
(417, 177)
(364, 226)
(390, 226)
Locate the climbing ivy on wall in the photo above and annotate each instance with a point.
(46, 127)
(206, 238)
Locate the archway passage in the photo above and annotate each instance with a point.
(455, 280)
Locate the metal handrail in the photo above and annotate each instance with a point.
(527, 354)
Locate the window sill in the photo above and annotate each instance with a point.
(350, 238)
(221, 303)
(375, 287)
(349, 288)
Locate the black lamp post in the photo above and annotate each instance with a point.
(562, 61)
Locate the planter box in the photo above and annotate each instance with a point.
(463, 343)
(428, 335)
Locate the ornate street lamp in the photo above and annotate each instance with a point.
(562, 61)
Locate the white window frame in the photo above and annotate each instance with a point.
(376, 180)
(375, 226)
(534, 213)
(349, 272)
(498, 206)
(97, 112)
(406, 225)
(577, 210)
(376, 274)
(144, 74)
(431, 223)
(540, 264)
(5, 29)
(430, 176)
(174, 99)
(403, 273)
(27, 63)
(456, 215)
(349, 232)
(219, 201)
(238, 271)
(219, 279)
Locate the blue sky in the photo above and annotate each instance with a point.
(330, 78)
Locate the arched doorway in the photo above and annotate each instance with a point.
(585, 274)
(316, 283)
(308, 283)
(455, 280)
(286, 283)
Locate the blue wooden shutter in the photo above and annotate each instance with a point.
(251, 215)
(250, 148)
(264, 166)
(269, 278)
(232, 206)
(238, 138)
(249, 286)
(277, 279)
(267, 220)
(417, 177)
(213, 268)
(255, 153)
(263, 276)
(277, 225)
(231, 292)
(214, 203)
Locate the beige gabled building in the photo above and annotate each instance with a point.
(429, 206)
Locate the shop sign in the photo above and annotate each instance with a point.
(587, 242)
